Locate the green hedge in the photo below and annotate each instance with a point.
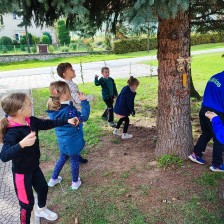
(140, 44)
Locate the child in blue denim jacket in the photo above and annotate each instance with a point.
(70, 138)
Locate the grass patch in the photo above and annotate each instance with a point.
(169, 160)
(210, 179)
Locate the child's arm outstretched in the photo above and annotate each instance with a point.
(217, 124)
(11, 147)
(97, 81)
(85, 107)
(45, 124)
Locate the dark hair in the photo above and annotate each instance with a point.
(132, 81)
(104, 68)
(62, 68)
(56, 90)
(10, 104)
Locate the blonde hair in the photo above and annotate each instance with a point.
(10, 104)
(132, 81)
(56, 90)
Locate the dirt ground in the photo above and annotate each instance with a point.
(150, 186)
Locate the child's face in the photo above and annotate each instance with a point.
(106, 73)
(69, 74)
(26, 110)
(134, 87)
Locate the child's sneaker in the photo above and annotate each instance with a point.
(116, 132)
(126, 136)
(53, 182)
(45, 213)
(217, 169)
(196, 159)
(76, 185)
(112, 124)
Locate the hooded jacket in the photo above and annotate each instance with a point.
(125, 102)
(25, 160)
(70, 138)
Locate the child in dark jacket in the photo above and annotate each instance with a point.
(218, 129)
(70, 138)
(124, 106)
(109, 93)
(19, 135)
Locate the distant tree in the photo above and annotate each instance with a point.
(45, 39)
(63, 32)
(6, 43)
(49, 36)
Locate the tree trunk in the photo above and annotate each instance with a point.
(173, 118)
(27, 39)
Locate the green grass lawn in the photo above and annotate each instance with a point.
(92, 58)
(113, 200)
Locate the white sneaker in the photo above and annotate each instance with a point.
(116, 132)
(53, 182)
(45, 213)
(76, 185)
(126, 136)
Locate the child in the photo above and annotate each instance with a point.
(218, 128)
(67, 73)
(124, 106)
(19, 135)
(70, 138)
(213, 99)
(109, 92)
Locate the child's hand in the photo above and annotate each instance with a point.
(73, 121)
(29, 140)
(96, 76)
(210, 115)
(82, 96)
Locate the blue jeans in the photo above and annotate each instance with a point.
(61, 162)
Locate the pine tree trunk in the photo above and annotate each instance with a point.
(27, 39)
(173, 118)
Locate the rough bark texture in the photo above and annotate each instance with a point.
(173, 119)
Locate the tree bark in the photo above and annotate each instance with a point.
(27, 39)
(173, 118)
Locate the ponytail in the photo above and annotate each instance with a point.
(3, 127)
(56, 90)
(132, 81)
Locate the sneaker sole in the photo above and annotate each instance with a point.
(52, 185)
(215, 170)
(194, 160)
(37, 215)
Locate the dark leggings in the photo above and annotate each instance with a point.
(126, 123)
(24, 184)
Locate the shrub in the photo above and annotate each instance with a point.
(36, 40)
(50, 48)
(4, 49)
(73, 46)
(49, 36)
(45, 39)
(64, 49)
(6, 43)
(63, 33)
(34, 49)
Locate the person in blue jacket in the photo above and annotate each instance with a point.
(124, 107)
(70, 138)
(213, 100)
(19, 135)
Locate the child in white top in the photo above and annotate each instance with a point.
(67, 73)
